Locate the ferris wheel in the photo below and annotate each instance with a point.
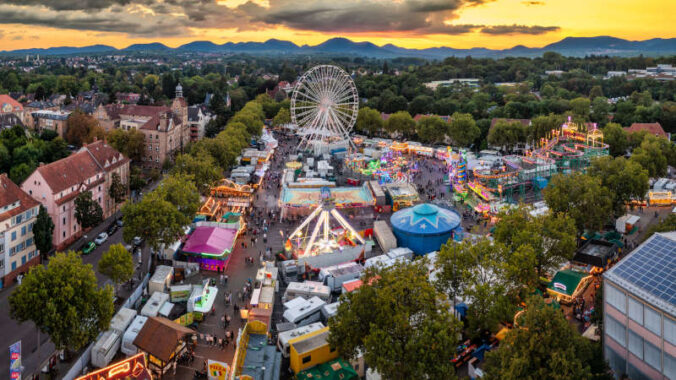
(324, 106)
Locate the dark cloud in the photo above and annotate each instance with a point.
(71, 5)
(533, 2)
(518, 29)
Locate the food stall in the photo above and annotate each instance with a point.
(202, 298)
(568, 284)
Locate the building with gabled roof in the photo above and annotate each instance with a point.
(652, 128)
(18, 212)
(56, 185)
(9, 105)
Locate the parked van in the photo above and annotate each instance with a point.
(122, 320)
(105, 348)
(308, 312)
(127, 346)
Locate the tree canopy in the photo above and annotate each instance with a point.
(117, 264)
(88, 212)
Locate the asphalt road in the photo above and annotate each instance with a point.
(26, 332)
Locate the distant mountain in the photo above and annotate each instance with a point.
(155, 46)
(569, 46)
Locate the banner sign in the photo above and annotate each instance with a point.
(15, 361)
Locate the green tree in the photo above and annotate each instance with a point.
(202, 167)
(581, 197)
(180, 190)
(625, 179)
(401, 324)
(551, 236)
(463, 129)
(88, 212)
(542, 126)
(20, 172)
(131, 143)
(507, 134)
(283, 117)
(401, 122)
(64, 301)
(654, 154)
(580, 107)
(43, 232)
(55, 150)
(117, 264)
(600, 110)
(369, 121)
(543, 346)
(595, 92)
(421, 104)
(117, 189)
(616, 138)
(432, 129)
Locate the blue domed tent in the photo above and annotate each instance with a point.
(425, 227)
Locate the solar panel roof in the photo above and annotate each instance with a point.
(650, 271)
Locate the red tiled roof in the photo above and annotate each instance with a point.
(8, 100)
(115, 110)
(105, 155)
(70, 171)
(10, 193)
(652, 128)
(154, 122)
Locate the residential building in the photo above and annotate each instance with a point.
(53, 120)
(9, 105)
(18, 212)
(652, 128)
(469, 82)
(166, 129)
(639, 311)
(8, 120)
(34, 107)
(198, 117)
(56, 185)
(128, 97)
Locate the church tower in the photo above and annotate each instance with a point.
(179, 91)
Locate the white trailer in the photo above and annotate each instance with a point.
(400, 253)
(122, 320)
(384, 236)
(305, 314)
(329, 311)
(307, 289)
(105, 348)
(154, 304)
(381, 261)
(294, 303)
(284, 337)
(334, 276)
(129, 336)
(161, 279)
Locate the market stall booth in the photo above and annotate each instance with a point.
(568, 284)
(401, 195)
(210, 244)
(254, 357)
(163, 341)
(296, 202)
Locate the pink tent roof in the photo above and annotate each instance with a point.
(211, 240)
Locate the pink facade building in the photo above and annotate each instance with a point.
(56, 186)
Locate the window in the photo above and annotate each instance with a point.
(652, 320)
(64, 234)
(23, 260)
(332, 349)
(30, 226)
(669, 329)
(307, 359)
(636, 344)
(23, 230)
(615, 330)
(99, 188)
(64, 220)
(29, 242)
(616, 298)
(157, 148)
(13, 266)
(13, 235)
(64, 208)
(669, 366)
(19, 218)
(12, 251)
(652, 355)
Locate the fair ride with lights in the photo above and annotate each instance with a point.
(325, 230)
(324, 106)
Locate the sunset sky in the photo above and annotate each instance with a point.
(408, 23)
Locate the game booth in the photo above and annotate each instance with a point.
(210, 244)
(568, 284)
(303, 201)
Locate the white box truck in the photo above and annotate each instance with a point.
(307, 289)
(154, 304)
(334, 276)
(305, 314)
(384, 236)
(129, 336)
(105, 348)
(122, 320)
(161, 279)
(284, 337)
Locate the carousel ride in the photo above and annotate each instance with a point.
(391, 167)
(324, 106)
(325, 230)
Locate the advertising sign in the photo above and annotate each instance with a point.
(15, 361)
(559, 285)
(132, 368)
(217, 370)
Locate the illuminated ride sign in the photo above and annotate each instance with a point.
(133, 368)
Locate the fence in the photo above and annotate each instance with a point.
(83, 361)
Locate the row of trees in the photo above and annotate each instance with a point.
(461, 129)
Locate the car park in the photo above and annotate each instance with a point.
(101, 238)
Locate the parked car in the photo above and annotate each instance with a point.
(112, 229)
(101, 238)
(119, 222)
(88, 247)
(137, 240)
